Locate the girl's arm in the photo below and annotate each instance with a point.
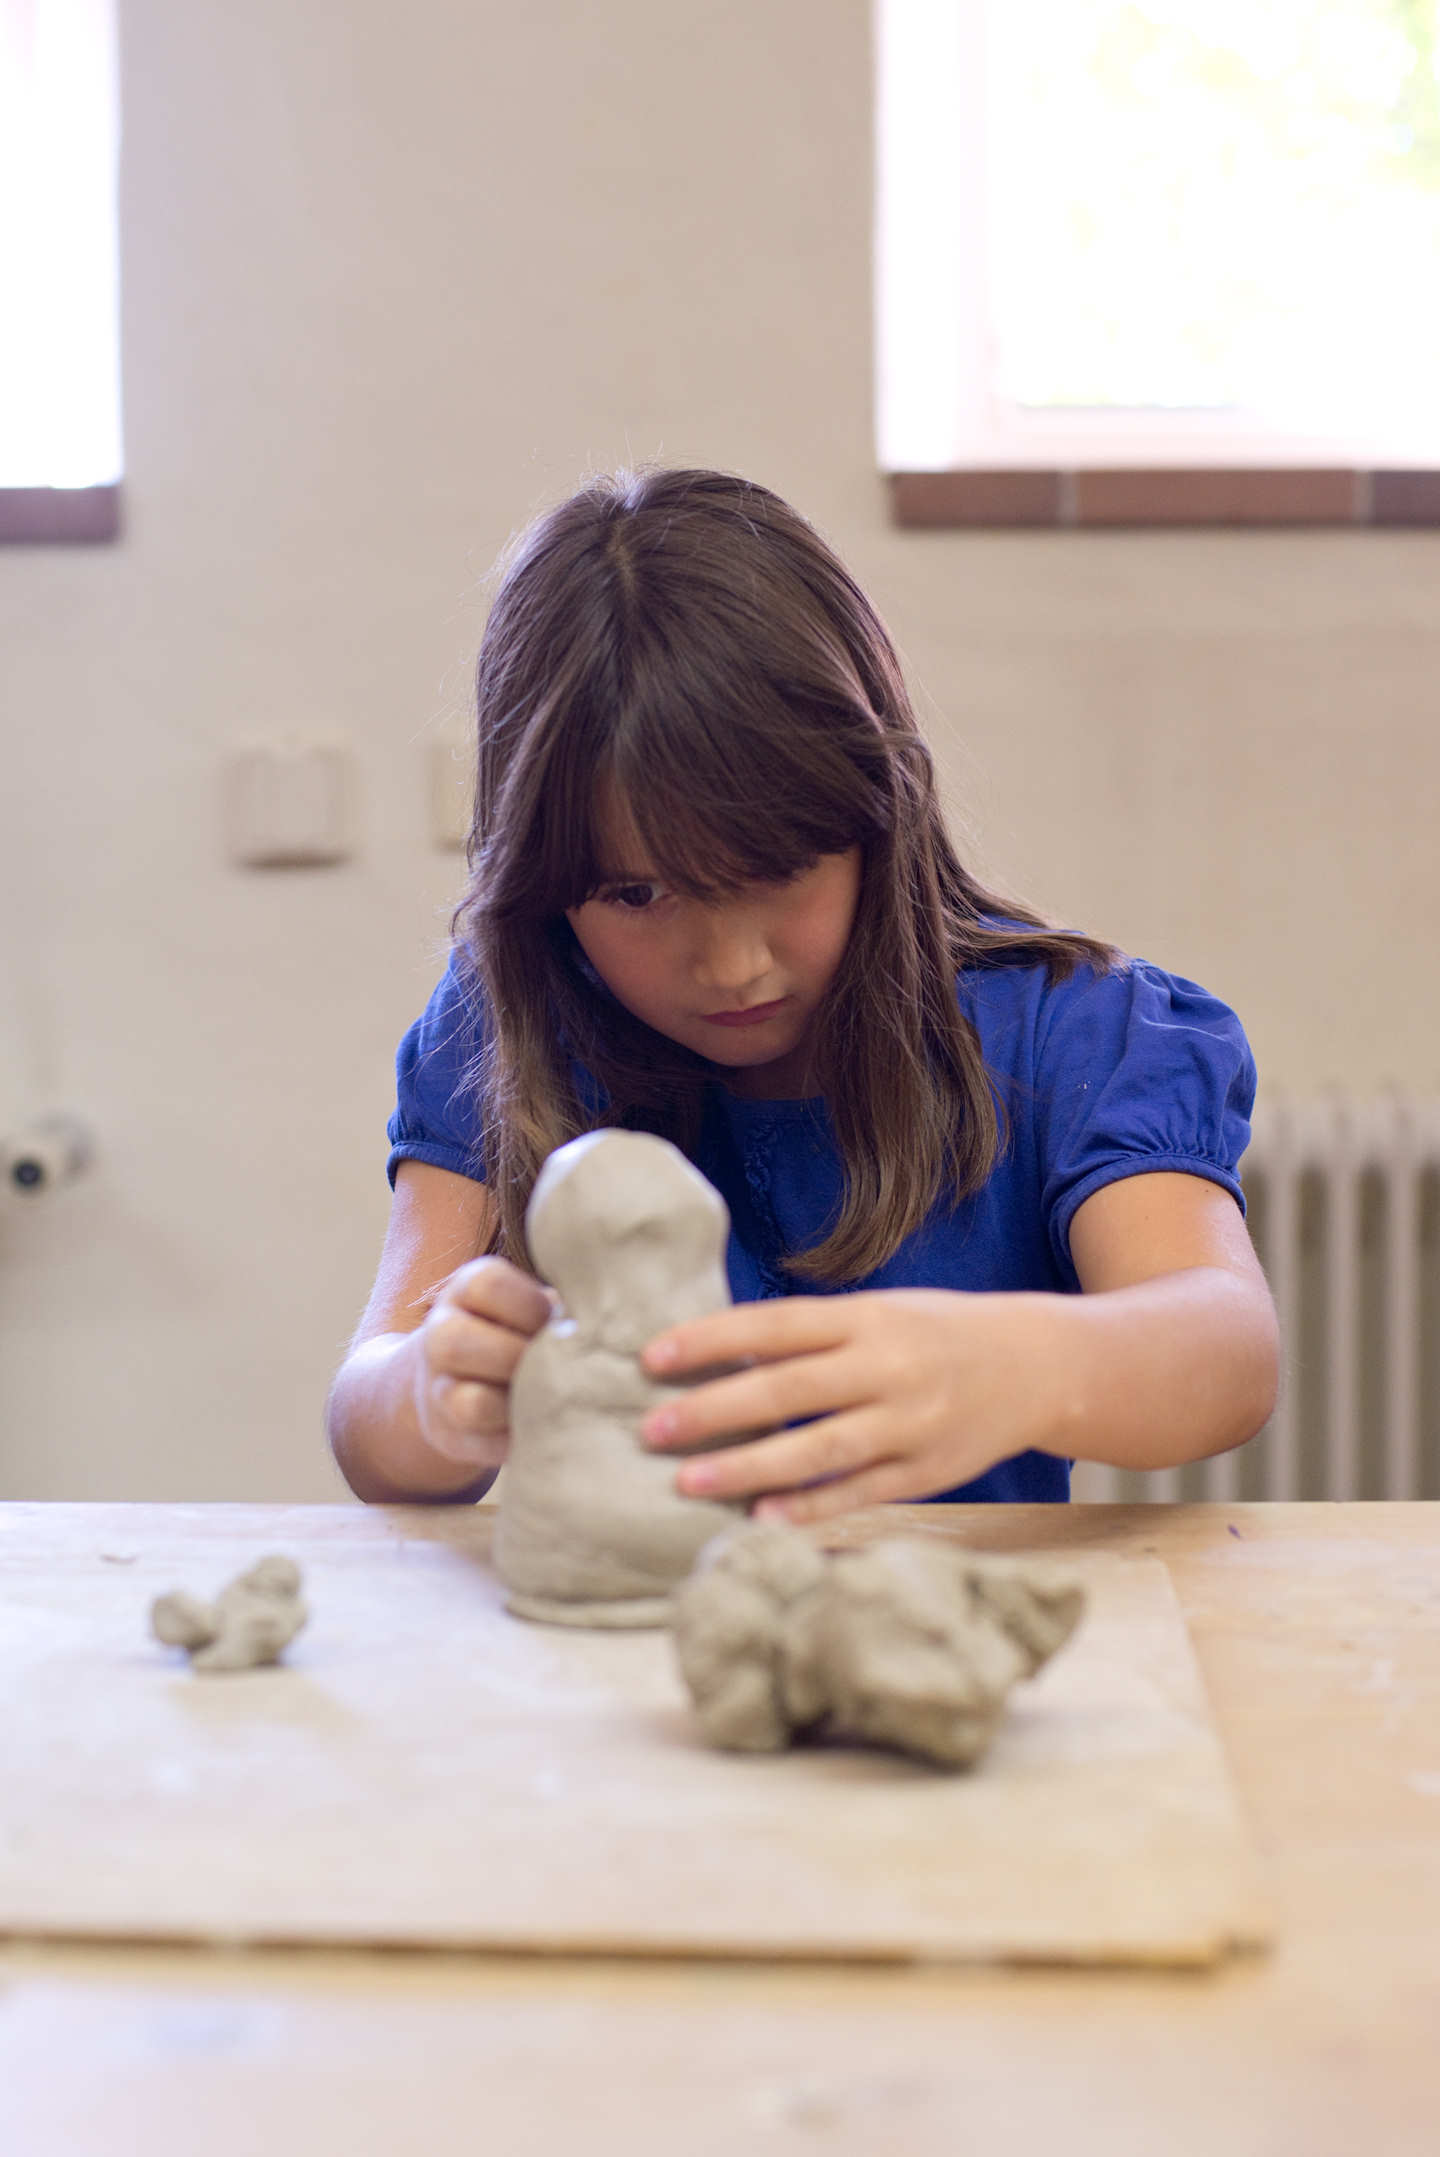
(419, 1408)
(1170, 1354)
(1177, 1347)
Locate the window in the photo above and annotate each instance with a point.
(59, 351)
(1201, 235)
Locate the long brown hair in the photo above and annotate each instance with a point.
(686, 640)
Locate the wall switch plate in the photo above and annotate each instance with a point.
(452, 789)
(288, 805)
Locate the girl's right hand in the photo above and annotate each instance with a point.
(467, 1348)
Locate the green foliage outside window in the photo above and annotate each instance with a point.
(1227, 205)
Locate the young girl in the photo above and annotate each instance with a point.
(711, 896)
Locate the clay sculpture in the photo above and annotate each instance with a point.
(249, 1622)
(905, 1643)
(591, 1529)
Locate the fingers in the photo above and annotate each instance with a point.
(787, 1326)
(754, 1400)
(471, 1340)
(465, 1422)
(492, 1288)
(886, 1483)
(481, 1322)
(462, 1346)
(835, 1446)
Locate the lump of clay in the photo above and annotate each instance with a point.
(903, 1643)
(249, 1622)
(592, 1530)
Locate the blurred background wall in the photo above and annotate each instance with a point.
(393, 280)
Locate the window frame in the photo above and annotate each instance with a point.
(60, 516)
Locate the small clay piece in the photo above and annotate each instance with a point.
(906, 1643)
(592, 1530)
(249, 1622)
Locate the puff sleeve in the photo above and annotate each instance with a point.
(1136, 1071)
(436, 1116)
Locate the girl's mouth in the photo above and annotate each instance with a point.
(756, 1015)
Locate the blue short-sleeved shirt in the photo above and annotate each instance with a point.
(1101, 1077)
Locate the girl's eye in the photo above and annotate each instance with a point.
(634, 898)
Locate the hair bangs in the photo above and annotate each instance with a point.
(755, 793)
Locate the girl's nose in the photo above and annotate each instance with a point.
(732, 953)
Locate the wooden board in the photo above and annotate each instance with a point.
(428, 1770)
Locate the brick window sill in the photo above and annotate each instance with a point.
(59, 516)
(1091, 498)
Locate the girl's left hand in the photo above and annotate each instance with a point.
(906, 1392)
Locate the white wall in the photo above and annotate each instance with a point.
(393, 279)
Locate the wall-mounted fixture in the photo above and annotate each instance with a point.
(289, 805)
(39, 1156)
(452, 787)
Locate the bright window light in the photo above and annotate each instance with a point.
(1206, 230)
(59, 278)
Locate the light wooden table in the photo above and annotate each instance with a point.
(1318, 1631)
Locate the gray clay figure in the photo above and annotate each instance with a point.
(905, 1643)
(249, 1622)
(591, 1529)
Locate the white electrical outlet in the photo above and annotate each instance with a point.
(289, 805)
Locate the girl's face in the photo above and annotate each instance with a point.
(739, 979)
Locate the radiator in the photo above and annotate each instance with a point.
(1344, 1199)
